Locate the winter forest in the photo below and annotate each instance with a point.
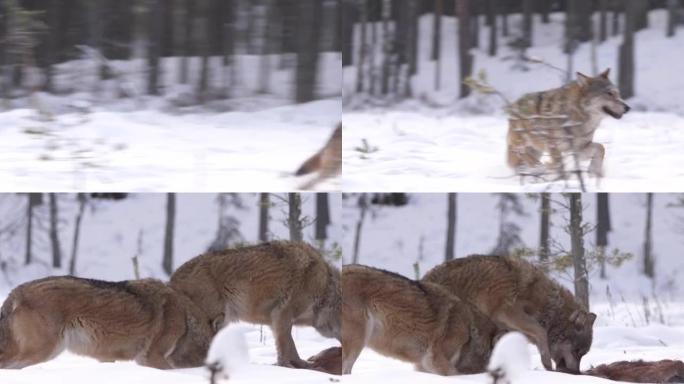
(88, 85)
(618, 253)
(438, 80)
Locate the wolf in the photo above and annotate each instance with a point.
(141, 320)
(520, 297)
(328, 360)
(663, 371)
(327, 161)
(279, 284)
(561, 121)
(418, 322)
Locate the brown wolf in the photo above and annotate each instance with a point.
(141, 320)
(663, 371)
(327, 161)
(561, 121)
(328, 360)
(413, 321)
(280, 284)
(519, 296)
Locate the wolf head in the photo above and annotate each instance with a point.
(599, 95)
(573, 342)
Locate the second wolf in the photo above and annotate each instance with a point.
(141, 320)
(327, 162)
(561, 121)
(417, 322)
(280, 284)
(519, 296)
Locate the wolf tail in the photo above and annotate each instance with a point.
(312, 164)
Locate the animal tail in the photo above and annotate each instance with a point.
(312, 164)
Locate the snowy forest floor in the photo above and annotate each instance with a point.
(438, 142)
(73, 369)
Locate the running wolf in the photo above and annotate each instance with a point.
(418, 322)
(280, 284)
(520, 297)
(141, 320)
(327, 161)
(561, 121)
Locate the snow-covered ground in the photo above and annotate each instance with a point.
(637, 318)
(441, 143)
(68, 368)
(91, 138)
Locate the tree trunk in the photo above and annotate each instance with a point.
(577, 250)
(82, 200)
(649, 262)
(626, 53)
(54, 232)
(153, 46)
(451, 226)
(641, 15)
(362, 46)
(491, 15)
(388, 46)
(603, 17)
(181, 40)
(545, 215)
(307, 50)
(95, 28)
(544, 8)
(616, 17)
(265, 59)
(167, 260)
(264, 205)
(34, 199)
(672, 9)
(437, 42)
(527, 8)
(465, 57)
(504, 18)
(322, 216)
(602, 229)
(349, 16)
(294, 221)
(51, 42)
(363, 207)
(202, 41)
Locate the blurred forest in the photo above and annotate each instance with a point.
(381, 37)
(194, 50)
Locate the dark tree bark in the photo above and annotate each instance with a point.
(202, 42)
(577, 250)
(294, 221)
(153, 46)
(672, 9)
(307, 50)
(527, 8)
(474, 25)
(51, 42)
(388, 45)
(322, 216)
(493, 33)
(167, 260)
(504, 18)
(362, 45)
(602, 229)
(452, 211)
(603, 20)
(616, 17)
(464, 55)
(545, 215)
(578, 26)
(641, 15)
(626, 53)
(349, 16)
(264, 205)
(437, 41)
(544, 9)
(82, 200)
(54, 232)
(649, 262)
(181, 38)
(34, 200)
(363, 207)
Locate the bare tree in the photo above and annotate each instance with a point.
(603, 20)
(264, 205)
(349, 15)
(451, 226)
(491, 16)
(527, 8)
(602, 229)
(54, 232)
(294, 221)
(649, 262)
(437, 41)
(509, 232)
(202, 41)
(577, 249)
(363, 208)
(363, 6)
(322, 217)
(307, 49)
(34, 200)
(82, 200)
(626, 53)
(545, 215)
(464, 39)
(672, 9)
(167, 259)
(153, 46)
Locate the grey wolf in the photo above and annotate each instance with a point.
(327, 161)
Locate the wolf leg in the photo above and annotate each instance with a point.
(516, 318)
(436, 361)
(281, 325)
(31, 339)
(355, 333)
(594, 152)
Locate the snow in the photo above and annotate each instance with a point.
(637, 318)
(228, 353)
(437, 142)
(510, 358)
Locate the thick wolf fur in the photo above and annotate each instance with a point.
(413, 321)
(280, 284)
(328, 360)
(663, 371)
(142, 320)
(561, 121)
(327, 161)
(519, 296)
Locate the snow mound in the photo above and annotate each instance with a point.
(228, 353)
(510, 359)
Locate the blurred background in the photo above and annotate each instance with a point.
(119, 236)
(100, 89)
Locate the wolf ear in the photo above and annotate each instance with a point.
(605, 73)
(582, 79)
(592, 318)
